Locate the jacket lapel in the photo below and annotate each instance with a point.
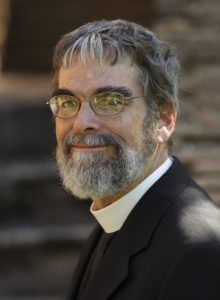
(84, 260)
(136, 233)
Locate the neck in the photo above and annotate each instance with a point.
(157, 159)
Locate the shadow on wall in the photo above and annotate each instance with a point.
(35, 26)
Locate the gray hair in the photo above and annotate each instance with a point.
(111, 41)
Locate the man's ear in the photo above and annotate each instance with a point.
(165, 123)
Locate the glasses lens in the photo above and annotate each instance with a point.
(64, 106)
(107, 104)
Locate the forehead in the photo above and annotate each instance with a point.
(84, 78)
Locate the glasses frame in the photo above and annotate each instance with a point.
(123, 98)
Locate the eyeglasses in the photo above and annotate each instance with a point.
(105, 104)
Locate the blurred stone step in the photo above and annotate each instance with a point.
(31, 189)
(27, 170)
(27, 130)
(37, 272)
(25, 120)
(29, 235)
(38, 260)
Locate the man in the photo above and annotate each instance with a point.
(115, 103)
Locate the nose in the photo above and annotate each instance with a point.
(86, 121)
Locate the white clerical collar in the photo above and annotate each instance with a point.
(113, 216)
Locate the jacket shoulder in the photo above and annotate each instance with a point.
(194, 275)
(198, 215)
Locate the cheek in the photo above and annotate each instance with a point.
(129, 128)
(62, 128)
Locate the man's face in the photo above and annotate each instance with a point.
(99, 156)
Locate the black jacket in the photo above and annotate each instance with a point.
(168, 248)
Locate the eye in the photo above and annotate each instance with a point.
(112, 101)
(69, 104)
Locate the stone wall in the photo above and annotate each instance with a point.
(193, 27)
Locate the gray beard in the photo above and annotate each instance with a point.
(91, 175)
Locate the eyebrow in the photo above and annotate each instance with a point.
(62, 92)
(126, 92)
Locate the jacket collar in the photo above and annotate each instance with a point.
(136, 232)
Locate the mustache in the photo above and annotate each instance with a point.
(91, 140)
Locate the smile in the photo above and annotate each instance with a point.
(83, 147)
